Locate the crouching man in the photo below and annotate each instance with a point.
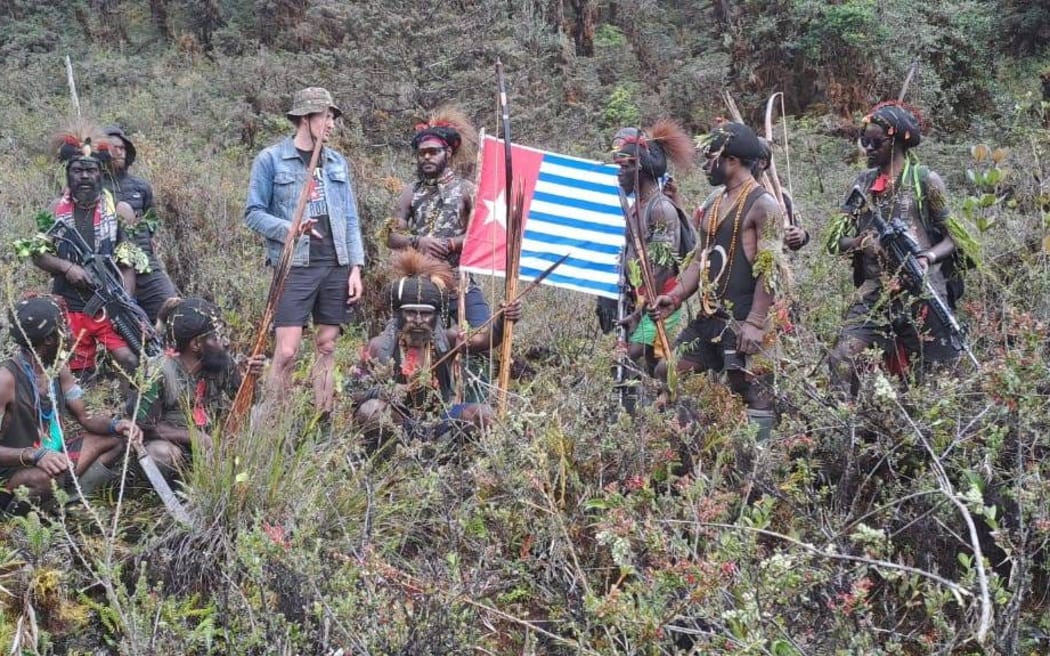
(193, 385)
(411, 356)
(35, 451)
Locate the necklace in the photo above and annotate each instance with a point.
(49, 427)
(712, 296)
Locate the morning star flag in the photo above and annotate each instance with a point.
(572, 205)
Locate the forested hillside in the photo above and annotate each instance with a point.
(915, 520)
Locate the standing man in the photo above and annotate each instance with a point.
(884, 312)
(325, 278)
(152, 285)
(36, 401)
(96, 216)
(736, 294)
(664, 229)
(433, 213)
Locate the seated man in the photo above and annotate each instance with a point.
(34, 450)
(406, 352)
(195, 385)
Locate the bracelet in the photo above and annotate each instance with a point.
(22, 456)
(39, 454)
(69, 265)
(113, 425)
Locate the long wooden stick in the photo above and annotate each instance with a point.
(640, 251)
(907, 81)
(72, 82)
(246, 392)
(514, 195)
(773, 177)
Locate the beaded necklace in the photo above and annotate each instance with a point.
(713, 224)
(50, 429)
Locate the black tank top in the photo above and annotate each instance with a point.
(730, 270)
(21, 426)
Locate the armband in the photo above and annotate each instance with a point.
(74, 393)
(113, 425)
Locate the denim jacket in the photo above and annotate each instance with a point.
(278, 176)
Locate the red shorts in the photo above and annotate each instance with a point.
(87, 333)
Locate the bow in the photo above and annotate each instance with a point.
(772, 182)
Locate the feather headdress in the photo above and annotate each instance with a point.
(450, 125)
(418, 279)
(655, 146)
(80, 139)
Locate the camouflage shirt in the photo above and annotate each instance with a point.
(435, 208)
(925, 221)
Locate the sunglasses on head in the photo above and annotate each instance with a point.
(872, 143)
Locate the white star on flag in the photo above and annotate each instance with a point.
(497, 209)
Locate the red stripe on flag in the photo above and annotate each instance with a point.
(486, 243)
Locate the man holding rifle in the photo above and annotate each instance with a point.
(894, 204)
(90, 218)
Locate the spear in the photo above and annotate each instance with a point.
(72, 86)
(246, 392)
(514, 195)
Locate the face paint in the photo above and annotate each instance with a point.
(715, 167)
(214, 356)
(84, 179)
(625, 176)
(418, 325)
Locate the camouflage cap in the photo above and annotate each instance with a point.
(312, 100)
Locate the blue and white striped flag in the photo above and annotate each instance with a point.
(572, 206)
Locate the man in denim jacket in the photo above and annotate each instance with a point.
(326, 264)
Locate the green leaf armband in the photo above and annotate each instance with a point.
(130, 255)
(38, 244)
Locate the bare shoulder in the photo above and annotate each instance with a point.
(935, 182)
(7, 386)
(125, 211)
(764, 209)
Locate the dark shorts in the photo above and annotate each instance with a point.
(87, 333)
(711, 343)
(912, 324)
(152, 289)
(320, 291)
(477, 308)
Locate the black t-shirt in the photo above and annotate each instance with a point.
(322, 250)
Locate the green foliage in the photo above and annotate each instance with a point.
(621, 109)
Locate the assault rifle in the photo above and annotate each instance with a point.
(903, 250)
(108, 293)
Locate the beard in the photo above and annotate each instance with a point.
(430, 169)
(215, 362)
(717, 175)
(85, 193)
